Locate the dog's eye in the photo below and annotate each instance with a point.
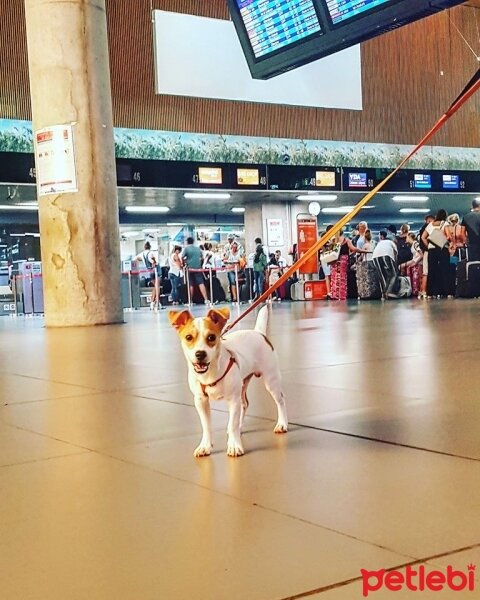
(211, 338)
(189, 337)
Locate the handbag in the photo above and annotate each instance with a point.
(330, 256)
(438, 238)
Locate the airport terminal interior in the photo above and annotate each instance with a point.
(122, 144)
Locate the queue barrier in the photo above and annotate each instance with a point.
(213, 271)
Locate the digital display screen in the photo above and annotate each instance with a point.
(357, 180)
(248, 176)
(344, 10)
(451, 182)
(275, 24)
(210, 175)
(422, 181)
(325, 179)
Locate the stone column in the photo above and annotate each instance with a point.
(70, 84)
(256, 216)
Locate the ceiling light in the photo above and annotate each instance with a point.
(342, 210)
(238, 209)
(317, 197)
(414, 210)
(131, 233)
(15, 207)
(410, 198)
(147, 209)
(206, 196)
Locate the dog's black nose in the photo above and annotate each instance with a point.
(200, 355)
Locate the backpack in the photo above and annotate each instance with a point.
(146, 260)
(404, 251)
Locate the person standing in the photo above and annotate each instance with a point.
(438, 256)
(385, 261)
(259, 266)
(175, 272)
(192, 259)
(471, 229)
(234, 262)
(424, 250)
(151, 280)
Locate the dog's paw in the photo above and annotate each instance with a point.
(235, 449)
(280, 428)
(202, 450)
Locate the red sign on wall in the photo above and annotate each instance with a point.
(306, 238)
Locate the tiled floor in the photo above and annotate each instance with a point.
(101, 498)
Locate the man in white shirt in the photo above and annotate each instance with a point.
(385, 261)
(281, 262)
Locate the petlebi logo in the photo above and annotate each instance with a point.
(418, 579)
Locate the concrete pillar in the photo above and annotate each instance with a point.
(256, 217)
(70, 84)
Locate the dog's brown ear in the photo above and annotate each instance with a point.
(219, 316)
(179, 319)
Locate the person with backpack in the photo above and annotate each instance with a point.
(404, 248)
(151, 278)
(259, 266)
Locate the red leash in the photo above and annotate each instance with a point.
(470, 89)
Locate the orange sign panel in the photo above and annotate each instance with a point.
(325, 179)
(210, 175)
(307, 236)
(248, 176)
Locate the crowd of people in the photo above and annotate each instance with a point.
(424, 264)
(199, 263)
(399, 263)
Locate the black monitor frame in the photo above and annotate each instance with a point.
(333, 38)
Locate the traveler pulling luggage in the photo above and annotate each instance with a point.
(368, 283)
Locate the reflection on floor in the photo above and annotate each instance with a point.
(101, 498)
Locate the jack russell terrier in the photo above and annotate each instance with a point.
(220, 368)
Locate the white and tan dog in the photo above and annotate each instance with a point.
(220, 368)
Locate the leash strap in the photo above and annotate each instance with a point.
(470, 89)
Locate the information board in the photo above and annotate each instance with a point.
(274, 24)
(343, 10)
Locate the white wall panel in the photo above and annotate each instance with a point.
(202, 57)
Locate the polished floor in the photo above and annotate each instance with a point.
(101, 498)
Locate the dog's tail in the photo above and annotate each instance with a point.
(261, 324)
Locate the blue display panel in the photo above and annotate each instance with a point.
(422, 181)
(344, 10)
(451, 182)
(275, 24)
(357, 180)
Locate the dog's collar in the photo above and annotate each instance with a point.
(204, 386)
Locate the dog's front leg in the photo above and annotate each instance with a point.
(203, 408)
(234, 443)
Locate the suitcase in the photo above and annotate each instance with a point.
(297, 291)
(352, 290)
(468, 279)
(217, 290)
(415, 273)
(368, 283)
(402, 288)
(315, 290)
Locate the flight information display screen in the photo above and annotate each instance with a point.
(275, 24)
(344, 10)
